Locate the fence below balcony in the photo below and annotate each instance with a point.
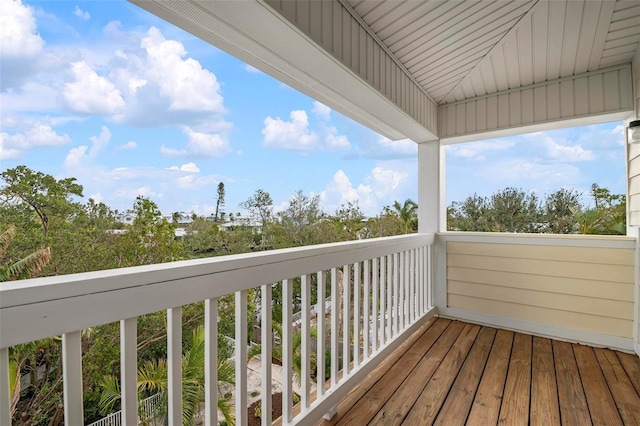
(379, 291)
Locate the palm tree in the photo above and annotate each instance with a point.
(406, 212)
(26, 267)
(152, 378)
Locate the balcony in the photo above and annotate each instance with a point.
(387, 350)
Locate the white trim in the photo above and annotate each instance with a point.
(348, 382)
(539, 329)
(598, 241)
(541, 126)
(440, 268)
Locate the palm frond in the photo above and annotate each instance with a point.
(28, 266)
(5, 239)
(110, 394)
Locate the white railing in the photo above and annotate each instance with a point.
(378, 287)
(150, 407)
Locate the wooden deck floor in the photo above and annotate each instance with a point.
(454, 373)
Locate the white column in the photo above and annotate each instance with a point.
(432, 204)
(129, 370)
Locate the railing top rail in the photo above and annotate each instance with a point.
(572, 240)
(51, 306)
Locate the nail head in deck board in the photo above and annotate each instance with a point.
(517, 389)
(363, 410)
(430, 401)
(486, 405)
(631, 364)
(456, 407)
(397, 407)
(626, 399)
(573, 403)
(544, 389)
(601, 405)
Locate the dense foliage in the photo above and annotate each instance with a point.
(40, 213)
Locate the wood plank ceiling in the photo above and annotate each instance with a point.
(461, 49)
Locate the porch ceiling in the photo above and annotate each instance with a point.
(453, 70)
(458, 50)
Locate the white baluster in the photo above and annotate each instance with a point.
(174, 365)
(287, 361)
(129, 370)
(241, 357)
(211, 362)
(72, 378)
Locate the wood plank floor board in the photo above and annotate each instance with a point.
(631, 364)
(571, 398)
(544, 389)
(455, 373)
(486, 405)
(369, 404)
(455, 409)
(602, 407)
(517, 389)
(626, 399)
(430, 401)
(397, 407)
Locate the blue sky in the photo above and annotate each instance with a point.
(130, 105)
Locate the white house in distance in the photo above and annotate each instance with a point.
(242, 222)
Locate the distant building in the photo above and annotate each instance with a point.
(127, 217)
(242, 222)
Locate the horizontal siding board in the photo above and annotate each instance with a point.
(564, 285)
(604, 325)
(559, 253)
(580, 270)
(562, 302)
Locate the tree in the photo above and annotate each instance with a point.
(219, 202)
(558, 211)
(513, 210)
(299, 219)
(260, 205)
(39, 192)
(407, 212)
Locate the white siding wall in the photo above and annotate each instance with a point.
(555, 282)
(586, 95)
(334, 27)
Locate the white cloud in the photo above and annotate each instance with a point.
(184, 81)
(384, 148)
(39, 136)
(21, 44)
(476, 150)
(564, 153)
(79, 13)
(83, 155)
(251, 69)
(127, 146)
(321, 110)
(209, 145)
(188, 167)
(295, 135)
(90, 93)
(380, 187)
(18, 30)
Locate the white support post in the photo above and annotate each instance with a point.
(266, 337)
(211, 362)
(390, 292)
(241, 358)
(129, 370)
(636, 296)
(287, 354)
(174, 365)
(432, 213)
(320, 344)
(72, 378)
(5, 396)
